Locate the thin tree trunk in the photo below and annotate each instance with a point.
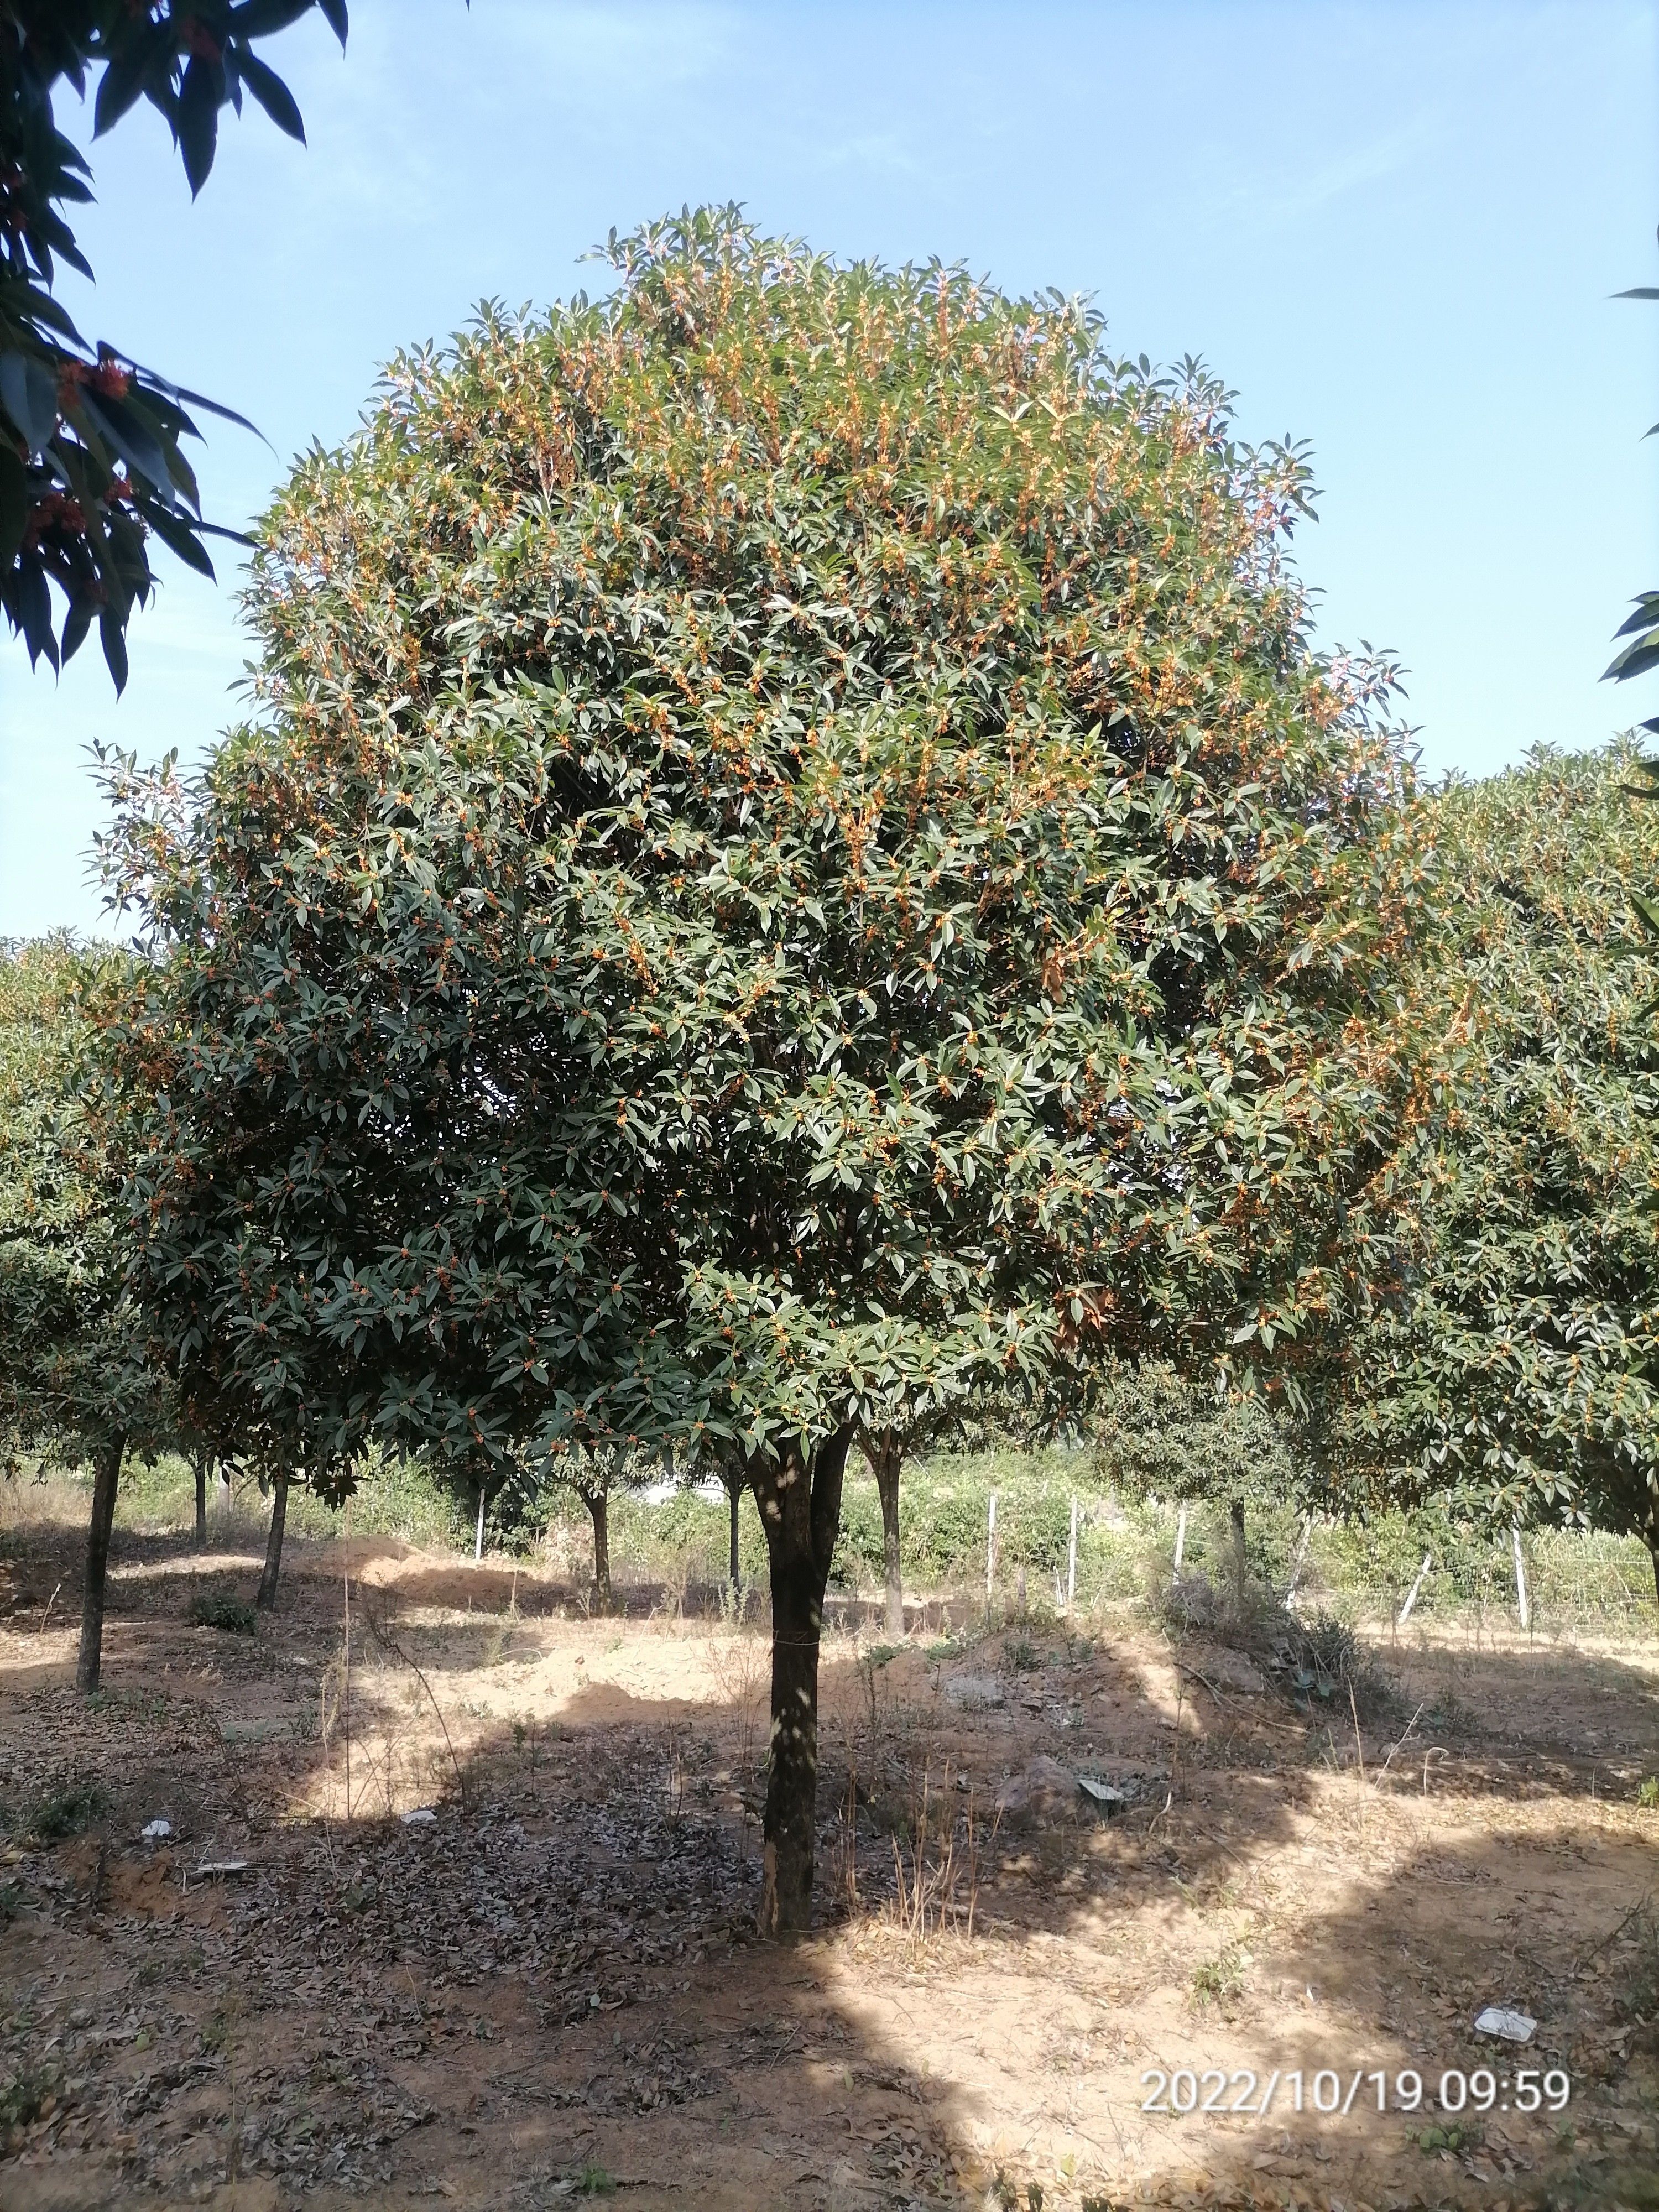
(799, 1488)
(884, 1465)
(200, 1500)
(734, 1494)
(106, 1474)
(1236, 1512)
(274, 1542)
(598, 1506)
(1653, 1553)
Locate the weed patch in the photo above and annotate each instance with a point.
(1220, 1980)
(30, 2094)
(68, 1813)
(219, 1609)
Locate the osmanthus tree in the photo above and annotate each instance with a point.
(75, 1385)
(1514, 1367)
(1160, 1433)
(797, 857)
(595, 1476)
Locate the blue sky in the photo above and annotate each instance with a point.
(1393, 228)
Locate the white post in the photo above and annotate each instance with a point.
(1520, 1580)
(1181, 1537)
(990, 1547)
(1071, 1562)
(1411, 1594)
(221, 1499)
(478, 1541)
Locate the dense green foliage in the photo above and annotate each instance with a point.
(1160, 1434)
(1516, 1364)
(69, 1376)
(90, 458)
(797, 804)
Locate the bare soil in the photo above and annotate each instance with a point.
(551, 1989)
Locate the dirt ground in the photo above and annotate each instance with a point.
(551, 1989)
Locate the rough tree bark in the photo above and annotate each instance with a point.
(1237, 1512)
(274, 1542)
(598, 1506)
(885, 1458)
(798, 1486)
(106, 1474)
(200, 1500)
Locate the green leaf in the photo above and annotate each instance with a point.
(1646, 615)
(1637, 657)
(175, 532)
(115, 647)
(122, 84)
(334, 12)
(149, 380)
(28, 392)
(77, 623)
(273, 96)
(33, 606)
(197, 119)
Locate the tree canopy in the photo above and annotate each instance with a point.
(67, 1378)
(90, 460)
(1515, 1364)
(799, 855)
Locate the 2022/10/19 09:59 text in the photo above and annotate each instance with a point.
(1241, 2095)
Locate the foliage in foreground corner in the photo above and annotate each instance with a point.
(91, 462)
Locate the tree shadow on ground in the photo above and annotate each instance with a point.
(553, 1982)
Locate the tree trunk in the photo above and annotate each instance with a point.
(799, 1488)
(1237, 1517)
(274, 1542)
(884, 1464)
(201, 1501)
(106, 1473)
(734, 1492)
(1653, 1553)
(598, 1506)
